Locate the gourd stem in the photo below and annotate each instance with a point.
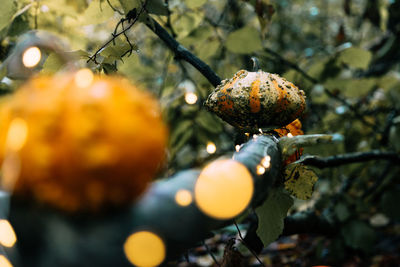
(256, 64)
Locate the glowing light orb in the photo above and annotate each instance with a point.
(190, 98)
(83, 78)
(183, 197)
(260, 170)
(31, 57)
(144, 249)
(7, 235)
(211, 148)
(237, 148)
(4, 262)
(266, 162)
(17, 134)
(224, 189)
(290, 135)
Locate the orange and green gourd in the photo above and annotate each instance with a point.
(253, 100)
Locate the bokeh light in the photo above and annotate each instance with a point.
(183, 197)
(260, 170)
(145, 249)
(237, 148)
(4, 262)
(224, 189)
(290, 135)
(266, 162)
(17, 134)
(83, 78)
(7, 235)
(190, 98)
(31, 57)
(211, 148)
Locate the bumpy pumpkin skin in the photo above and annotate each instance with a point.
(86, 149)
(253, 100)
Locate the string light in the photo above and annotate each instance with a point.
(83, 78)
(190, 98)
(17, 134)
(255, 136)
(183, 197)
(290, 135)
(266, 161)
(4, 262)
(211, 148)
(237, 148)
(260, 170)
(31, 57)
(224, 189)
(145, 249)
(7, 235)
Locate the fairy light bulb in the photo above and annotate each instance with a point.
(224, 189)
(190, 98)
(145, 249)
(211, 148)
(183, 197)
(290, 135)
(237, 148)
(83, 78)
(31, 57)
(266, 162)
(260, 170)
(7, 235)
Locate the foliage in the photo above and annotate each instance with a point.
(343, 54)
(271, 215)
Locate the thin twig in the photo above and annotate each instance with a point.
(169, 24)
(355, 157)
(247, 246)
(115, 35)
(115, 9)
(211, 254)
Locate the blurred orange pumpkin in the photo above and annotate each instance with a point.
(80, 142)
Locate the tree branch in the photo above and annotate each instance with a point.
(355, 157)
(182, 53)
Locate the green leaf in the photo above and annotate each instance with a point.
(195, 3)
(208, 49)
(271, 215)
(244, 41)
(128, 5)
(389, 204)
(355, 58)
(300, 180)
(94, 15)
(52, 64)
(358, 235)
(207, 121)
(185, 23)
(7, 11)
(117, 50)
(342, 212)
(157, 7)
